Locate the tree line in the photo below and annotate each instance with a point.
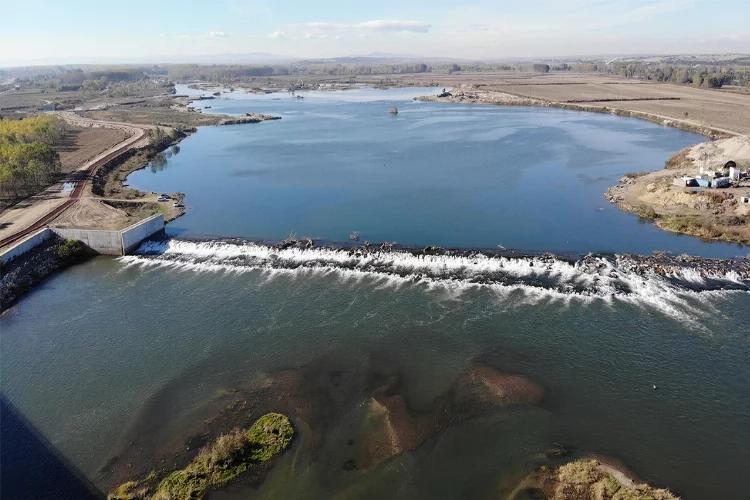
(28, 162)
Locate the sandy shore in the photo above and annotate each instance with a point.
(717, 214)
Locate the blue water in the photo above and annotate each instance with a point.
(452, 175)
(114, 362)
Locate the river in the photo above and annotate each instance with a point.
(119, 352)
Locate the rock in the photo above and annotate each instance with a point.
(557, 451)
(651, 187)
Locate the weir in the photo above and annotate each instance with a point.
(100, 241)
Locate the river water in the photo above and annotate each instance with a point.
(117, 351)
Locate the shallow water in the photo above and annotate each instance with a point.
(116, 352)
(165, 342)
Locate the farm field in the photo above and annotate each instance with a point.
(82, 144)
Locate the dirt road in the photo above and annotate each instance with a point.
(37, 211)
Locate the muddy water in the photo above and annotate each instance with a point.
(159, 348)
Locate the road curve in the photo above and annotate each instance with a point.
(80, 177)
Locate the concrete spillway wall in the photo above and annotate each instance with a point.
(103, 242)
(25, 245)
(133, 236)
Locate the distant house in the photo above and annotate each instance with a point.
(684, 182)
(720, 182)
(49, 107)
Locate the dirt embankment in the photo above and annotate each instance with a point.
(718, 214)
(464, 94)
(469, 96)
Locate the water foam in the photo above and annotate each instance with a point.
(541, 278)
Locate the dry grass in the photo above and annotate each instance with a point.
(82, 144)
(587, 479)
(166, 116)
(680, 159)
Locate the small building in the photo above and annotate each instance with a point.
(721, 182)
(50, 107)
(745, 198)
(684, 181)
(734, 173)
(703, 182)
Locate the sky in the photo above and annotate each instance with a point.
(85, 31)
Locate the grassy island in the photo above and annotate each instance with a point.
(216, 464)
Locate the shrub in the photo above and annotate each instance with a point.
(69, 249)
(647, 213)
(229, 456)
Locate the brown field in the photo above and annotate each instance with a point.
(30, 100)
(142, 115)
(717, 109)
(82, 144)
(704, 107)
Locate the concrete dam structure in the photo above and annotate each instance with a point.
(102, 242)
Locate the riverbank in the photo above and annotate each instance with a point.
(30, 269)
(712, 214)
(715, 215)
(464, 95)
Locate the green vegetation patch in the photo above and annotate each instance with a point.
(28, 162)
(69, 249)
(271, 434)
(646, 212)
(217, 464)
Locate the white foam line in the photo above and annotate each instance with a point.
(596, 279)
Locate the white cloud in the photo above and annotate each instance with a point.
(162, 35)
(215, 34)
(326, 29)
(411, 26)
